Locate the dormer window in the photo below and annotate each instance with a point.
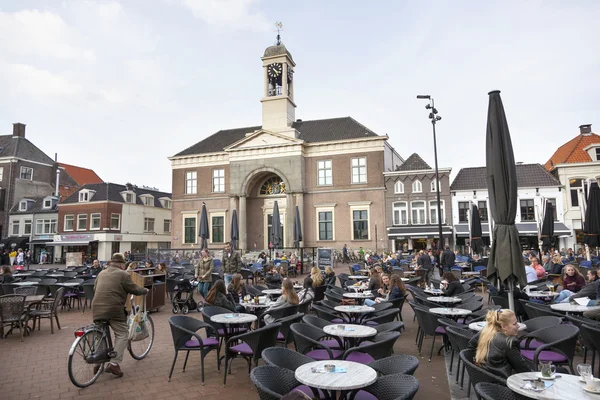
(128, 196)
(23, 205)
(147, 199)
(47, 203)
(86, 195)
(597, 153)
(166, 203)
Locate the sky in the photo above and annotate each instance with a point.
(119, 86)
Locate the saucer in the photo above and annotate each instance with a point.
(547, 378)
(597, 391)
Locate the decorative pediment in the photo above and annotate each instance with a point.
(261, 139)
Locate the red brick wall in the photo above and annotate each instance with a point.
(105, 209)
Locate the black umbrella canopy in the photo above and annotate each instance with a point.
(204, 232)
(235, 230)
(506, 261)
(276, 238)
(476, 231)
(547, 227)
(297, 229)
(592, 217)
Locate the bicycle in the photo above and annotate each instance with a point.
(93, 348)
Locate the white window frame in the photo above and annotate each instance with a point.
(23, 205)
(166, 203)
(169, 222)
(1, 173)
(218, 180)
(417, 186)
(147, 200)
(147, 222)
(191, 182)
(25, 223)
(358, 165)
(366, 208)
(432, 186)
(400, 206)
(112, 217)
(324, 173)
(325, 208)
(52, 226)
(47, 204)
(24, 170)
(79, 219)
(210, 226)
(72, 218)
(183, 218)
(15, 224)
(97, 216)
(399, 187)
(84, 196)
(433, 211)
(424, 209)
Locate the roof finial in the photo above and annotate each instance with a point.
(278, 28)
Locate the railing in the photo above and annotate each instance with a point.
(277, 91)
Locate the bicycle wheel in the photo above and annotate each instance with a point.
(82, 373)
(140, 348)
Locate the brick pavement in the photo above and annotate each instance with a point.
(37, 367)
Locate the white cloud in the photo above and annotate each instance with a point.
(31, 81)
(229, 14)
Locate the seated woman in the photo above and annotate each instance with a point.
(316, 276)
(452, 286)
(307, 293)
(236, 291)
(396, 290)
(329, 276)
(273, 277)
(375, 282)
(288, 297)
(217, 296)
(7, 275)
(162, 268)
(573, 283)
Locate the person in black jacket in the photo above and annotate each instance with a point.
(329, 277)
(447, 260)
(453, 285)
(424, 263)
(273, 277)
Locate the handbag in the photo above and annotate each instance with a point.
(137, 322)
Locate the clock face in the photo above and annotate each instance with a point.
(274, 71)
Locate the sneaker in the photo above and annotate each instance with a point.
(114, 369)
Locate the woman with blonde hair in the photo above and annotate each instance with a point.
(497, 348)
(330, 276)
(316, 276)
(288, 297)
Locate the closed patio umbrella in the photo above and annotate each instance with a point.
(297, 229)
(276, 238)
(547, 227)
(204, 232)
(506, 261)
(592, 217)
(235, 230)
(476, 231)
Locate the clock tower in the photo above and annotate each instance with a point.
(278, 107)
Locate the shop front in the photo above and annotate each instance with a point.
(413, 238)
(85, 244)
(41, 253)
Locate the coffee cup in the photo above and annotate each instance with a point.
(593, 384)
(329, 367)
(585, 371)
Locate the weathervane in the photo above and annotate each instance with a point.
(278, 28)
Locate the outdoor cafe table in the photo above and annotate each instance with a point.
(353, 312)
(478, 326)
(452, 312)
(69, 284)
(471, 273)
(444, 299)
(33, 299)
(356, 376)
(436, 292)
(564, 387)
(543, 294)
(25, 283)
(573, 308)
(405, 279)
(359, 296)
(270, 292)
(350, 332)
(358, 277)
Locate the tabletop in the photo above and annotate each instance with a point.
(543, 294)
(354, 309)
(254, 305)
(576, 308)
(564, 388)
(477, 326)
(363, 295)
(233, 318)
(405, 279)
(27, 273)
(272, 291)
(356, 376)
(450, 311)
(444, 299)
(69, 284)
(350, 330)
(25, 283)
(54, 275)
(434, 291)
(358, 277)
(33, 299)
(471, 273)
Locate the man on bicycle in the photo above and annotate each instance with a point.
(112, 287)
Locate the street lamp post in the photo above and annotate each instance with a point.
(435, 118)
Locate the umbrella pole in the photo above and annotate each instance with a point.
(511, 298)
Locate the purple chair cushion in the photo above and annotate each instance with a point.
(210, 341)
(545, 356)
(338, 321)
(280, 336)
(321, 354)
(534, 344)
(241, 348)
(372, 323)
(440, 330)
(307, 391)
(331, 343)
(362, 395)
(362, 358)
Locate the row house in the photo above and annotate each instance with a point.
(101, 219)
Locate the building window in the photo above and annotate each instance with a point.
(597, 157)
(359, 170)
(167, 226)
(398, 187)
(1, 173)
(23, 205)
(84, 196)
(400, 213)
(191, 184)
(360, 224)
(81, 222)
(325, 172)
(166, 203)
(575, 186)
(417, 187)
(527, 210)
(148, 200)
(218, 229)
(27, 227)
(95, 221)
(554, 213)
(417, 209)
(433, 186)
(148, 224)
(47, 203)
(26, 173)
(463, 211)
(218, 180)
(483, 211)
(325, 225)
(189, 227)
(15, 228)
(46, 226)
(129, 198)
(115, 221)
(433, 212)
(69, 222)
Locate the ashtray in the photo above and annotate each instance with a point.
(329, 367)
(341, 327)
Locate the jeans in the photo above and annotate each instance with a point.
(228, 278)
(369, 302)
(563, 296)
(121, 330)
(203, 288)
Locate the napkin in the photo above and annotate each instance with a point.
(528, 386)
(340, 370)
(348, 328)
(582, 301)
(229, 316)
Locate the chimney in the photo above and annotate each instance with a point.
(18, 130)
(129, 186)
(583, 129)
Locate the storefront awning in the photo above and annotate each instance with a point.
(417, 230)
(524, 228)
(561, 230)
(462, 230)
(67, 243)
(19, 242)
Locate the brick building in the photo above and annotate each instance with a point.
(332, 169)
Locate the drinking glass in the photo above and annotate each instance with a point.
(547, 369)
(585, 371)
(550, 286)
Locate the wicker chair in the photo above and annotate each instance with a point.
(283, 357)
(26, 290)
(493, 391)
(476, 373)
(329, 304)
(590, 334)
(557, 345)
(429, 327)
(304, 306)
(399, 303)
(185, 338)
(253, 290)
(284, 337)
(376, 348)
(389, 327)
(459, 339)
(272, 382)
(471, 305)
(535, 324)
(328, 314)
(392, 387)
(447, 323)
(396, 364)
(11, 313)
(309, 341)
(247, 275)
(588, 342)
(333, 342)
(279, 313)
(52, 313)
(382, 317)
(500, 301)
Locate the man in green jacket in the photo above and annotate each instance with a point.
(232, 264)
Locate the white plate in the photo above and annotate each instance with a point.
(550, 378)
(591, 391)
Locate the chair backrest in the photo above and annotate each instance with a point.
(215, 277)
(396, 364)
(329, 304)
(282, 357)
(70, 274)
(11, 307)
(286, 322)
(88, 290)
(181, 326)
(319, 293)
(384, 316)
(381, 306)
(428, 322)
(562, 338)
(542, 322)
(262, 338)
(315, 321)
(590, 334)
(389, 326)
(32, 279)
(500, 301)
(273, 382)
(472, 306)
(306, 337)
(48, 281)
(380, 346)
(324, 312)
(26, 290)
(304, 306)
(253, 290)
(283, 312)
(392, 387)
(493, 391)
(460, 337)
(476, 373)
(60, 293)
(334, 296)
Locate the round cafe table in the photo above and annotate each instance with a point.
(356, 376)
(452, 312)
(543, 294)
(350, 332)
(358, 277)
(444, 299)
(478, 326)
(354, 312)
(359, 296)
(573, 308)
(437, 292)
(567, 387)
(25, 283)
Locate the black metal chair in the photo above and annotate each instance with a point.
(392, 387)
(476, 373)
(11, 313)
(250, 346)
(493, 391)
(428, 322)
(52, 314)
(376, 348)
(308, 340)
(272, 382)
(185, 338)
(396, 364)
(459, 339)
(557, 345)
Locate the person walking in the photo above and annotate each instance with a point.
(232, 264)
(424, 263)
(448, 259)
(346, 259)
(203, 272)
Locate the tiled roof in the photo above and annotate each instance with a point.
(414, 163)
(37, 206)
(528, 175)
(16, 146)
(112, 192)
(81, 175)
(572, 151)
(322, 130)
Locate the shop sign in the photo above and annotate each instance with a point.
(118, 237)
(76, 238)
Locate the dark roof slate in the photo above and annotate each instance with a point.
(414, 163)
(528, 175)
(35, 206)
(16, 146)
(322, 130)
(112, 192)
